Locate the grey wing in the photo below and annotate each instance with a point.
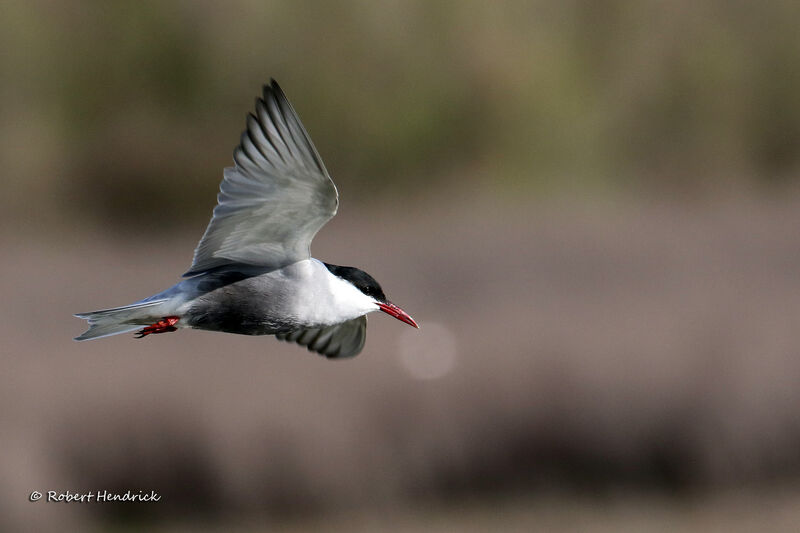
(334, 342)
(276, 198)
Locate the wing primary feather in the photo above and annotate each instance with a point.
(306, 140)
(286, 119)
(299, 139)
(260, 140)
(250, 148)
(280, 126)
(243, 160)
(264, 122)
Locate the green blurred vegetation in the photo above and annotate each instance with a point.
(121, 113)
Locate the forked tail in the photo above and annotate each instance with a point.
(107, 322)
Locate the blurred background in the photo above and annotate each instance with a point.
(591, 208)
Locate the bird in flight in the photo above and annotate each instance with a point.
(252, 272)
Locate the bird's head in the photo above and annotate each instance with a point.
(370, 287)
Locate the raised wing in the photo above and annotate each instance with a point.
(334, 342)
(276, 198)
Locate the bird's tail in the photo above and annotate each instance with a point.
(118, 320)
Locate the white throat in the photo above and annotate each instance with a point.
(325, 299)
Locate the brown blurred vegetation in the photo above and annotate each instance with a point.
(119, 113)
(591, 207)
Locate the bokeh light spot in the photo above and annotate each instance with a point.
(429, 352)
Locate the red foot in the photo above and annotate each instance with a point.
(165, 325)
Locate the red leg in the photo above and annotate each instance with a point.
(165, 325)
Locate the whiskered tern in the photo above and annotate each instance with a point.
(252, 271)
